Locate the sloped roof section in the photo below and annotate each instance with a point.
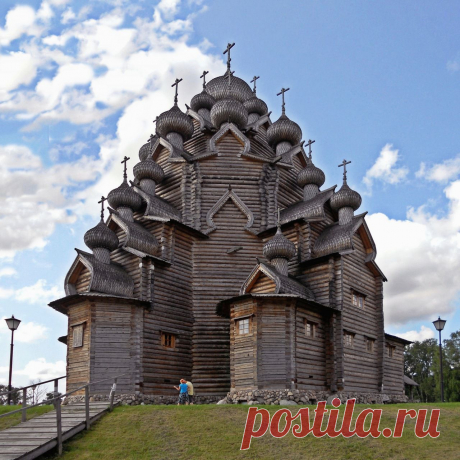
(157, 208)
(284, 284)
(139, 241)
(105, 278)
(337, 238)
(309, 210)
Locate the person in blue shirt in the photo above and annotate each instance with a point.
(183, 392)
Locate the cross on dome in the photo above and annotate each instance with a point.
(203, 76)
(283, 90)
(103, 198)
(227, 51)
(125, 160)
(230, 78)
(254, 80)
(309, 147)
(344, 165)
(176, 84)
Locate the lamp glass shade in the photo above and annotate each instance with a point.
(439, 324)
(12, 323)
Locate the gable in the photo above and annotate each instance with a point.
(262, 285)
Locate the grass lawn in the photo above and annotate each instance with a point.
(15, 419)
(215, 432)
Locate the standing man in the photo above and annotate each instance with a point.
(183, 392)
(191, 397)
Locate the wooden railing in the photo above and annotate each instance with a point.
(57, 402)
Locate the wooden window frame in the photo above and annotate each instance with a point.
(168, 340)
(347, 334)
(391, 349)
(370, 343)
(311, 328)
(357, 298)
(244, 320)
(78, 339)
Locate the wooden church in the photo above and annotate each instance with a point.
(224, 261)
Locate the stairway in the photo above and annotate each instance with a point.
(33, 438)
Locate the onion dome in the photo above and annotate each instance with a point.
(146, 149)
(101, 236)
(202, 100)
(229, 110)
(345, 198)
(279, 247)
(124, 197)
(256, 105)
(174, 120)
(149, 169)
(219, 88)
(311, 175)
(284, 130)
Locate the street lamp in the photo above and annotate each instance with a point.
(13, 324)
(439, 325)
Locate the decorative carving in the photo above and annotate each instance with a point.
(228, 195)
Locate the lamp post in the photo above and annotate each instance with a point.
(13, 324)
(439, 325)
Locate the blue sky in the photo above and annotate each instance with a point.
(377, 83)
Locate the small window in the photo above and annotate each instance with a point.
(349, 339)
(242, 326)
(370, 343)
(391, 351)
(77, 336)
(168, 340)
(357, 299)
(310, 329)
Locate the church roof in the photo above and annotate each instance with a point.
(158, 207)
(105, 278)
(337, 238)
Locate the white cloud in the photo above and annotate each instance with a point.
(421, 259)
(38, 293)
(384, 168)
(17, 68)
(440, 172)
(40, 369)
(7, 271)
(27, 332)
(418, 336)
(18, 22)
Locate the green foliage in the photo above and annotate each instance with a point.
(422, 365)
(16, 396)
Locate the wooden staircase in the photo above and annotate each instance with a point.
(33, 438)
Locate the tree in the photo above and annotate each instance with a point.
(16, 396)
(421, 364)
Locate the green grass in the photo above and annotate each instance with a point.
(15, 419)
(215, 432)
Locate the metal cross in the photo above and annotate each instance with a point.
(125, 175)
(230, 78)
(176, 84)
(203, 76)
(309, 147)
(103, 198)
(254, 81)
(283, 90)
(344, 165)
(227, 50)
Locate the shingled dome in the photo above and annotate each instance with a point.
(256, 105)
(101, 236)
(279, 247)
(202, 100)
(124, 197)
(219, 89)
(144, 151)
(230, 110)
(174, 121)
(149, 169)
(311, 175)
(345, 198)
(284, 130)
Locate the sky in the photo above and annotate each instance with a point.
(377, 83)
